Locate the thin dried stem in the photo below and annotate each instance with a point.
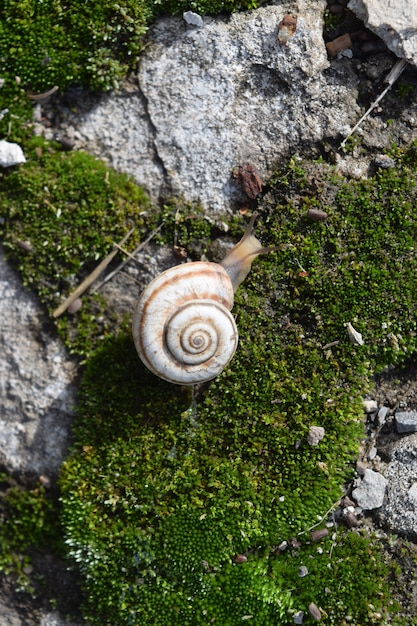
(82, 287)
(390, 79)
(131, 256)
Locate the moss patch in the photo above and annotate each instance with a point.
(61, 215)
(159, 498)
(55, 43)
(28, 520)
(164, 494)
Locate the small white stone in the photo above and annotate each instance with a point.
(370, 406)
(10, 154)
(354, 335)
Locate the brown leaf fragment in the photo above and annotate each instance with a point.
(247, 175)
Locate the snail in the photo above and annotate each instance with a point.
(183, 328)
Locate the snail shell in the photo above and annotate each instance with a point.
(182, 327)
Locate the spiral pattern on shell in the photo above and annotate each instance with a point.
(182, 326)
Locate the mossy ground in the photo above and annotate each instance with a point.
(163, 490)
(55, 43)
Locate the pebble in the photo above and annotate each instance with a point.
(350, 519)
(25, 245)
(314, 611)
(10, 154)
(302, 571)
(315, 215)
(371, 491)
(406, 421)
(370, 406)
(320, 533)
(240, 558)
(384, 161)
(361, 467)
(347, 502)
(298, 617)
(75, 306)
(315, 435)
(382, 414)
(194, 19)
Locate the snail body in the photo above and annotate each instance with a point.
(183, 328)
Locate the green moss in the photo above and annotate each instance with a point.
(203, 7)
(27, 520)
(162, 490)
(69, 209)
(159, 499)
(57, 43)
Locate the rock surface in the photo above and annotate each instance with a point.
(399, 510)
(37, 386)
(219, 96)
(394, 22)
(406, 421)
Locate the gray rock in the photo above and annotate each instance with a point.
(370, 493)
(412, 492)
(399, 510)
(394, 22)
(37, 389)
(406, 421)
(210, 99)
(298, 617)
(10, 154)
(384, 161)
(194, 19)
(382, 414)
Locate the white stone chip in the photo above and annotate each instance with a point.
(10, 154)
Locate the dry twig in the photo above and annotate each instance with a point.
(131, 256)
(90, 278)
(390, 79)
